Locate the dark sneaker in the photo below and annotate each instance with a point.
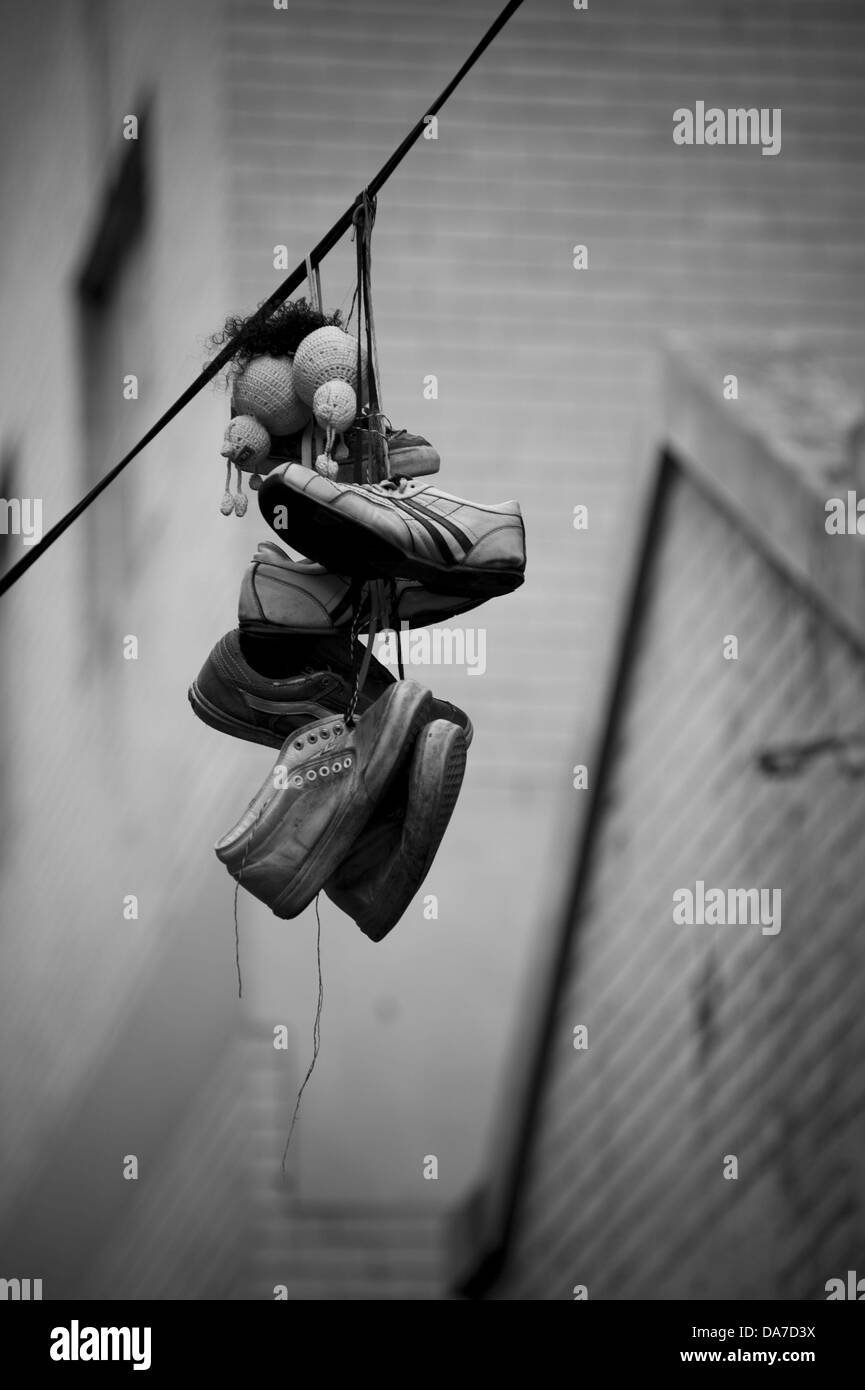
(299, 596)
(409, 455)
(404, 530)
(323, 790)
(392, 856)
(233, 697)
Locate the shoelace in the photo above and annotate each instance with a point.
(383, 614)
(395, 484)
(385, 421)
(363, 594)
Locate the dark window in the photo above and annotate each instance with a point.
(114, 295)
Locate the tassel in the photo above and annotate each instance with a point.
(324, 464)
(241, 501)
(227, 504)
(326, 467)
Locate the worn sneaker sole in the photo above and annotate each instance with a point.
(435, 778)
(347, 545)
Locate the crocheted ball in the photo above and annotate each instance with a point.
(246, 443)
(326, 355)
(335, 404)
(266, 389)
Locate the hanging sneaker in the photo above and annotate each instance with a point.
(300, 596)
(400, 529)
(230, 695)
(323, 790)
(392, 856)
(410, 455)
(294, 595)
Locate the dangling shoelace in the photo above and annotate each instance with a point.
(383, 615)
(393, 623)
(362, 593)
(395, 484)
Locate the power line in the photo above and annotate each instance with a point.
(280, 294)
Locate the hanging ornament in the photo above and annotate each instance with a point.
(334, 406)
(246, 442)
(265, 389)
(246, 445)
(325, 355)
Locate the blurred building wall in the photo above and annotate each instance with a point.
(109, 1026)
(703, 1139)
(262, 126)
(547, 390)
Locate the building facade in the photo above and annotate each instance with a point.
(692, 1121)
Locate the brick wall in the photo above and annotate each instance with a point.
(707, 1041)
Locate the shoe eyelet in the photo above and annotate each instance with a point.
(337, 767)
(325, 733)
(312, 738)
(324, 771)
(346, 762)
(311, 775)
(297, 781)
(299, 743)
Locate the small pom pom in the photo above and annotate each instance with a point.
(226, 506)
(326, 466)
(241, 502)
(255, 482)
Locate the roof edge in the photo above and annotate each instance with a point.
(773, 461)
